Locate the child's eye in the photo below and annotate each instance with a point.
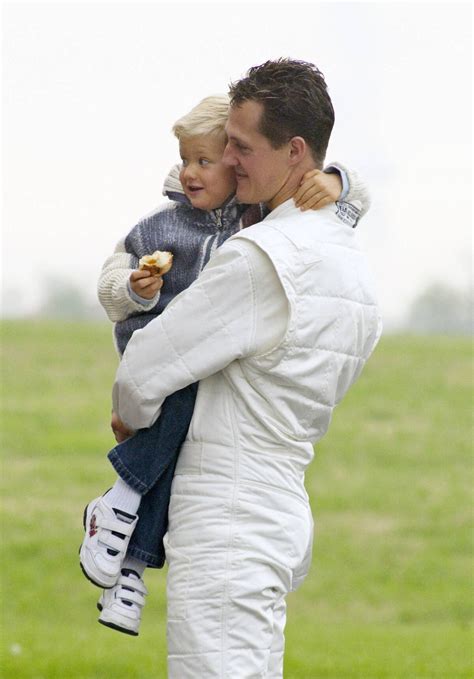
(184, 162)
(203, 161)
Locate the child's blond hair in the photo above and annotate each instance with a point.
(207, 117)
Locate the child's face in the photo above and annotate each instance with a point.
(206, 181)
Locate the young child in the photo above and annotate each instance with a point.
(124, 528)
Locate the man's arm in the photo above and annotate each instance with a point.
(237, 307)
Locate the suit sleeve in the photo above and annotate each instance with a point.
(202, 330)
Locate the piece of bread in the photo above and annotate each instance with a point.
(157, 264)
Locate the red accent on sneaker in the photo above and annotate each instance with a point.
(92, 526)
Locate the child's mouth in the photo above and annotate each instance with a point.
(194, 189)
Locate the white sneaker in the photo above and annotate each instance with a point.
(105, 543)
(121, 606)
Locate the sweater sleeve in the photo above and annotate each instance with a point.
(113, 287)
(357, 191)
(214, 322)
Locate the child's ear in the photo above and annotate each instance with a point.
(297, 150)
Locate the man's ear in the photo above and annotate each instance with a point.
(298, 149)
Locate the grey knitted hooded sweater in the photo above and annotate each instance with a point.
(191, 235)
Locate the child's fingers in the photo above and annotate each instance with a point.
(139, 274)
(151, 281)
(317, 203)
(310, 174)
(156, 284)
(311, 179)
(308, 189)
(311, 197)
(147, 287)
(300, 194)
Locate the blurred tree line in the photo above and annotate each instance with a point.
(438, 309)
(442, 310)
(65, 299)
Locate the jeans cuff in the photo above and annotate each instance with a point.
(125, 474)
(151, 560)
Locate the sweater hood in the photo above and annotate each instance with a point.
(172, 187)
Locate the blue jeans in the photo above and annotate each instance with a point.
(146, 462)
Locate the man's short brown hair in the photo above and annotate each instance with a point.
(295, 103)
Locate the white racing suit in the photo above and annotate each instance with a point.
(277, 328)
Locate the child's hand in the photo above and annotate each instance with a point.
(144, 284)
(318, 189)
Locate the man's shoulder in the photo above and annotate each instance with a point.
(287, 226)
(338, 217)
(283, 220)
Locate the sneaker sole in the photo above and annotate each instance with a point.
(115, 627)
(118, 628)
(86, 575)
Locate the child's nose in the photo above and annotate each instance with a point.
(189, 171)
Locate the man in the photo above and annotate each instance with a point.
(276, 329)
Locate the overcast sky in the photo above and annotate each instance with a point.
(91, 90)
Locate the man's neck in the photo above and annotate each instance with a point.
(281, 197)
(290, 186)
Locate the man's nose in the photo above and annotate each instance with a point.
(228, 157)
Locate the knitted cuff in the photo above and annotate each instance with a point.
(358, 192)
(332, 169)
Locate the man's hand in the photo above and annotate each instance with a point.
(121, 432)
(144, 284)
(317, 190)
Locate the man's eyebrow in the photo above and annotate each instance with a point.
(233, 137)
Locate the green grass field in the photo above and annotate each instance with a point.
(390, 593)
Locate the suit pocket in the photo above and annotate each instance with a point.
(177, 581)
